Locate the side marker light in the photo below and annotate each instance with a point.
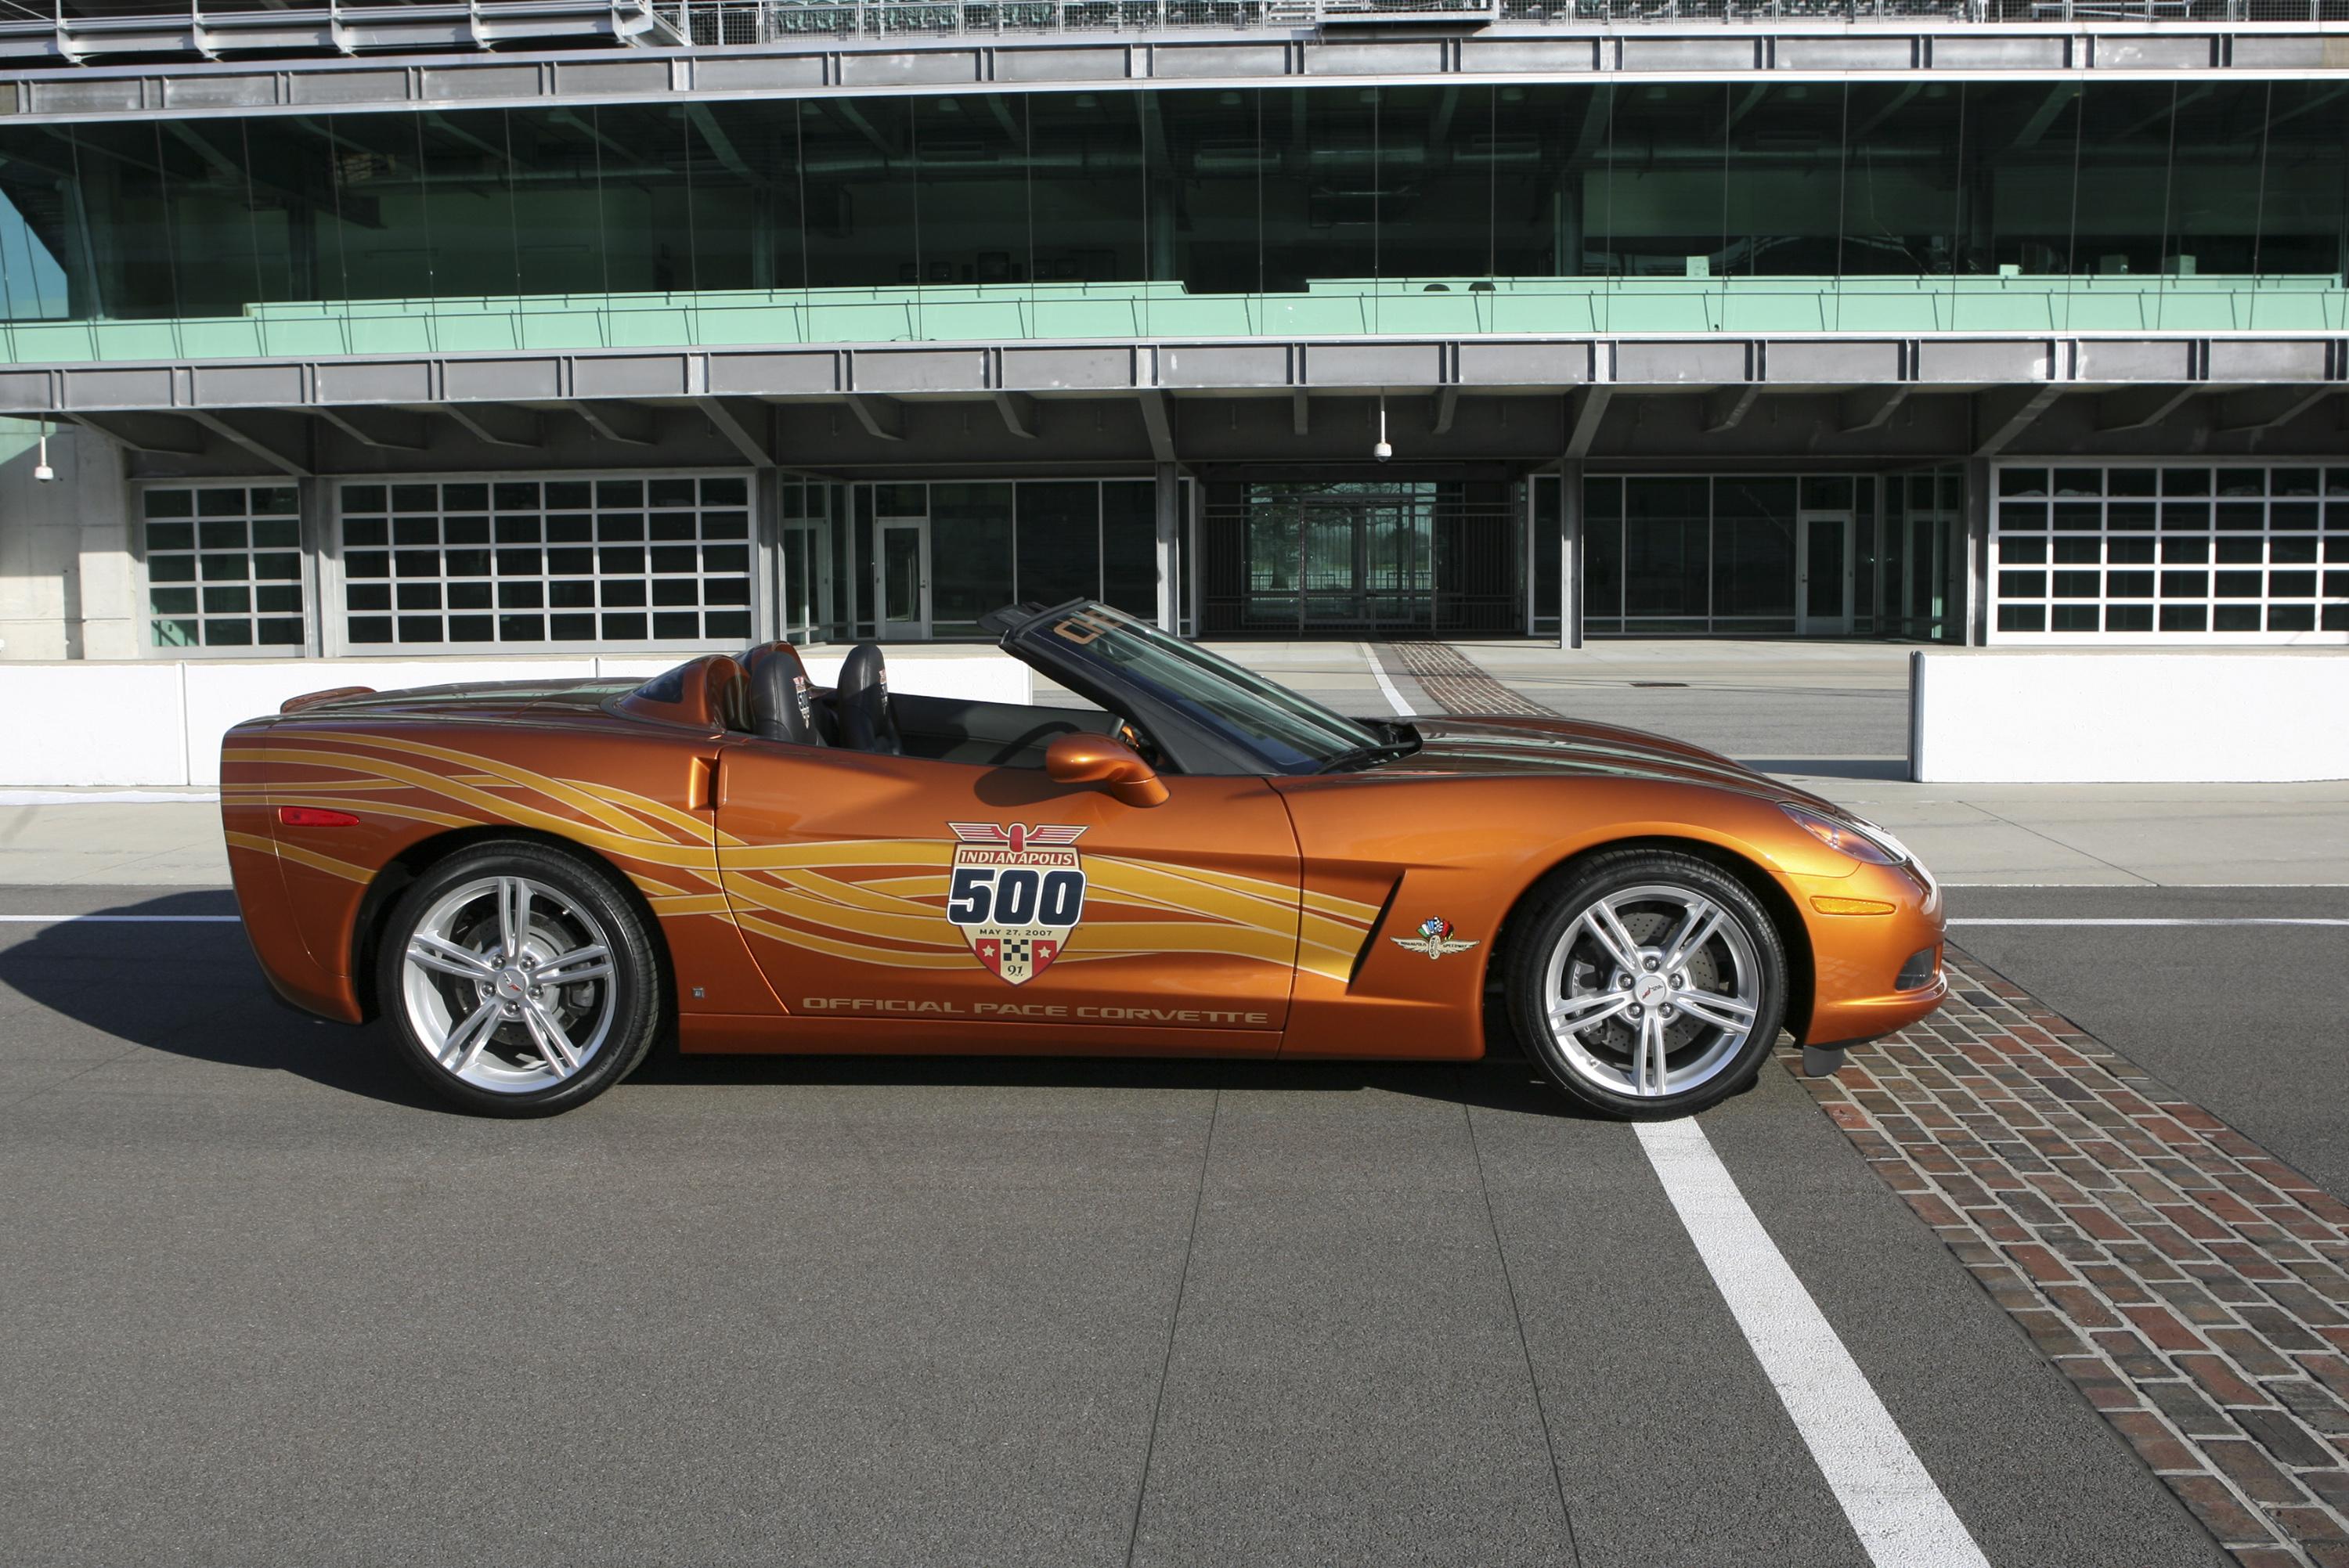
(315, 817)
(1850, 906)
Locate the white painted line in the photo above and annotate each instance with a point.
(1898, 1514)
(31, 797)
(1394, 698)
(119, 918)
(2210, 920)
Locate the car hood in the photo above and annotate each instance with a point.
(1571, 747)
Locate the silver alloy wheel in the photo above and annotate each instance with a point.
(1652, 990)
(508, 982)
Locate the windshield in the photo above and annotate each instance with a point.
(1291, 734)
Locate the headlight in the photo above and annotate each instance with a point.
(1870, 845)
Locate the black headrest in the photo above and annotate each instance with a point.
(861, 699)
(781, 708)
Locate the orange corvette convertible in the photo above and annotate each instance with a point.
(536, 881)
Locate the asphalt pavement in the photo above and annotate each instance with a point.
(2249, 1019)
(260, 1301)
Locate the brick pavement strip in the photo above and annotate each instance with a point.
(2188, 1282)
(2194, 1287)
(1458, 685)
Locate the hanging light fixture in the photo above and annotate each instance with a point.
(41, 469)
(1383, 451)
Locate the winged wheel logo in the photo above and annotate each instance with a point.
(1434, 939)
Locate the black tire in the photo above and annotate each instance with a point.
(609, 1019)
(1605, 1060)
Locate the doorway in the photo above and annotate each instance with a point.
(1823, 573)
(1310, 559)
(901, 578)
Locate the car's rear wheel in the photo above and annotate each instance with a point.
(519, 980)
(1648, 984)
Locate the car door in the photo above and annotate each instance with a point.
(894, 888)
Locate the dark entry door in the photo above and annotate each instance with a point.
(1323, 558)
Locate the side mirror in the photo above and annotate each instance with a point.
(1097, 759)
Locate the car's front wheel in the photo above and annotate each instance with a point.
(519, 980)
(1648, 984)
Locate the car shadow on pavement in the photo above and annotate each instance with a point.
(1502, 1081)
(193, 989)
(185, 988)
(1893, 770)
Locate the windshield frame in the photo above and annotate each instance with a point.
(1208, 713)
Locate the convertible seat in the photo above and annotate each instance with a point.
(867, 722)
(781, 708)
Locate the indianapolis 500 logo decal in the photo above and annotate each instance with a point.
(1017, 893)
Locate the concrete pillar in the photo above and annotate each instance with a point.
(69, 581)
(1570, 555)
(1973, 556)
(1194, 555)
(320, 534)
(1169, 498)
(769, 588)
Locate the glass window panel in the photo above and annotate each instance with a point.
(218, 551)
(1602, 549)
(970, 553)
(527, 578)
(1129, 546)
(1665, 545)
(1548, 500)
(1058, 541)
(1753, 545)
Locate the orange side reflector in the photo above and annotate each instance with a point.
(315, 817)
(1850, 906)
(700, 781)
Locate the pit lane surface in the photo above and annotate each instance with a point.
(261, 1301)
(2242, 1005)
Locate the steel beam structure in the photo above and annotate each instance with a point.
(811, 66)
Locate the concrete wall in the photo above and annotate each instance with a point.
(2135, 716)
(67, 578)
(155, 725)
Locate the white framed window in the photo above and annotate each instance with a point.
(546, 561)
(2104, 553)
(222, 562)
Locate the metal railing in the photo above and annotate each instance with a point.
(736, 22)
(33, 31)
